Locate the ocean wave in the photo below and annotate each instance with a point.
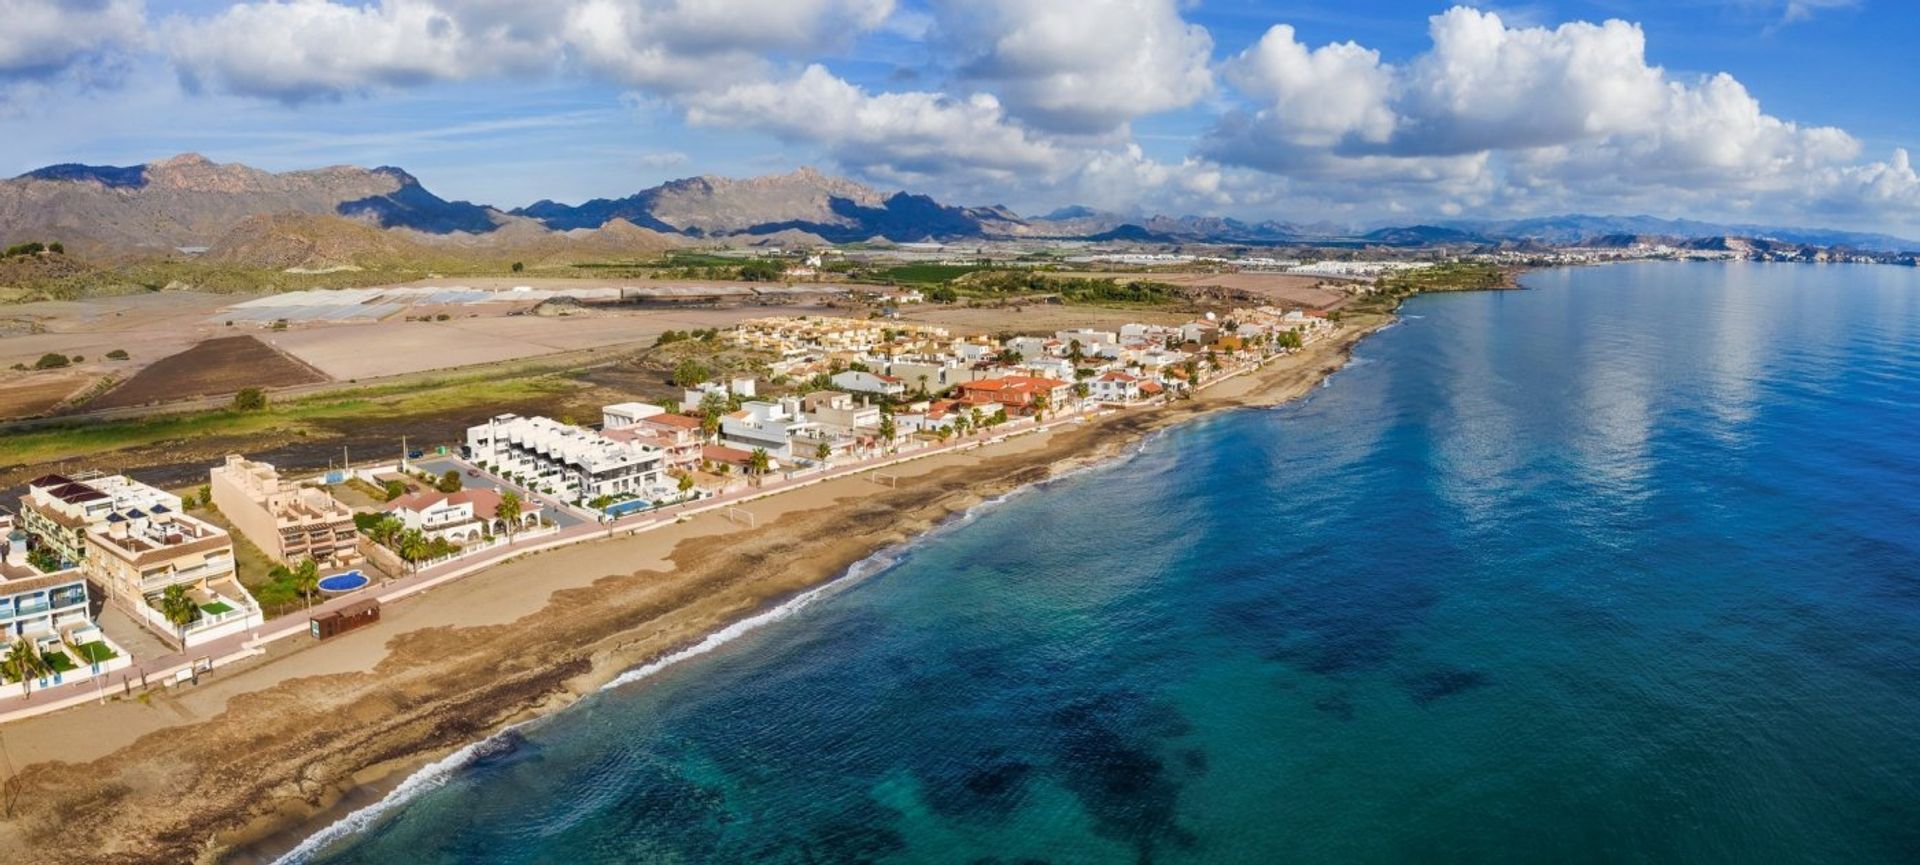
(430, 777)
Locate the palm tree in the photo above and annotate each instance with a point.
(887, 429)
(413, 545)
(822, 452)
(179, 609)
(25, 663)
(508, 512)
(960, 424)
(306, 580)
(1040, 402)
(759, 462)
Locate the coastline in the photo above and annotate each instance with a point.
(252, 774)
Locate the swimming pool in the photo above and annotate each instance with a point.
(346, 582)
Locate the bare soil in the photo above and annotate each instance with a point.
(216, 366)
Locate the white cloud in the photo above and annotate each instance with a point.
(1080, 66)
(1529, 118)
(901, 135)
(40, 38)
(678, 46)
(294, 50)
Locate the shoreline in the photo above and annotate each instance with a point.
(455, 684)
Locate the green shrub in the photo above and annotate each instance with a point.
(51, 361)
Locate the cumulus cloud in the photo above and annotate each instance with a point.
(680, 46)
(41, 38)
(1080, 66)
(1522, 118)
(295, 50)
(911, 134)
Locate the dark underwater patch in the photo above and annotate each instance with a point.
(1428, 687)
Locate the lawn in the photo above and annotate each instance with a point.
(95, 652)
(59, 661)
(216, 608)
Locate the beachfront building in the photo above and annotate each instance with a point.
(463, 517)
(572, 462)
(138, 556)
(1019, 394)
(793, 336)
(54, 612)
(678, 437)
(58, 510)
(1115, 386)
(769, 426)
(286, 521)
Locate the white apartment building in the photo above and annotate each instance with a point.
(771, 426)
(575, 463)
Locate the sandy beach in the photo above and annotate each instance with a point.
(241, 766)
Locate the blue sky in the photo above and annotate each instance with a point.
(1354, 111)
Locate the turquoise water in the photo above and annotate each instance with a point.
(1625, 568)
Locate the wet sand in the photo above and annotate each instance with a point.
(239, 767)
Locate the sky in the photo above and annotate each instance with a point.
(1355, 112)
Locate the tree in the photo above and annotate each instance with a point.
(51, 361)
(686, 483)
(1040, 404)
(822, 452)
(519, 266)
(1075, 352)
(690, 372)
(250, 399)
(306, 580)
(713, 407)
(961, 423)
(395, 489)
(449, 482)
(887, 429)
(411, 545)
(24, 662)
(759, 462)
(118, 354)
(508, 511)
(179, 610)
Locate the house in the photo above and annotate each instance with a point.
(867, 382)
(572, 462)
(771, 426)
(138, 556)
(677, 436)
(286, 521)
(626, 414)
(740, 386)
(462, 517)
(1115, 386)
(58, 511)
(1020, 394)
(839, 413)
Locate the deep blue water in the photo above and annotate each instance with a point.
(1625, 568)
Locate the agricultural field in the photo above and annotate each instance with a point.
(216, 366)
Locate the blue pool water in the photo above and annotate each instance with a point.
(1622, 569)
(344, 582)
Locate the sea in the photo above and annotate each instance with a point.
(1624, 567)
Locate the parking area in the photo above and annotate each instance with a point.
(563, 515)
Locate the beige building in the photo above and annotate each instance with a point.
(286, 521)
(138, 558)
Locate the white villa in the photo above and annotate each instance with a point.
(461, 517)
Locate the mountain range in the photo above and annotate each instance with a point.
(334, 215)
